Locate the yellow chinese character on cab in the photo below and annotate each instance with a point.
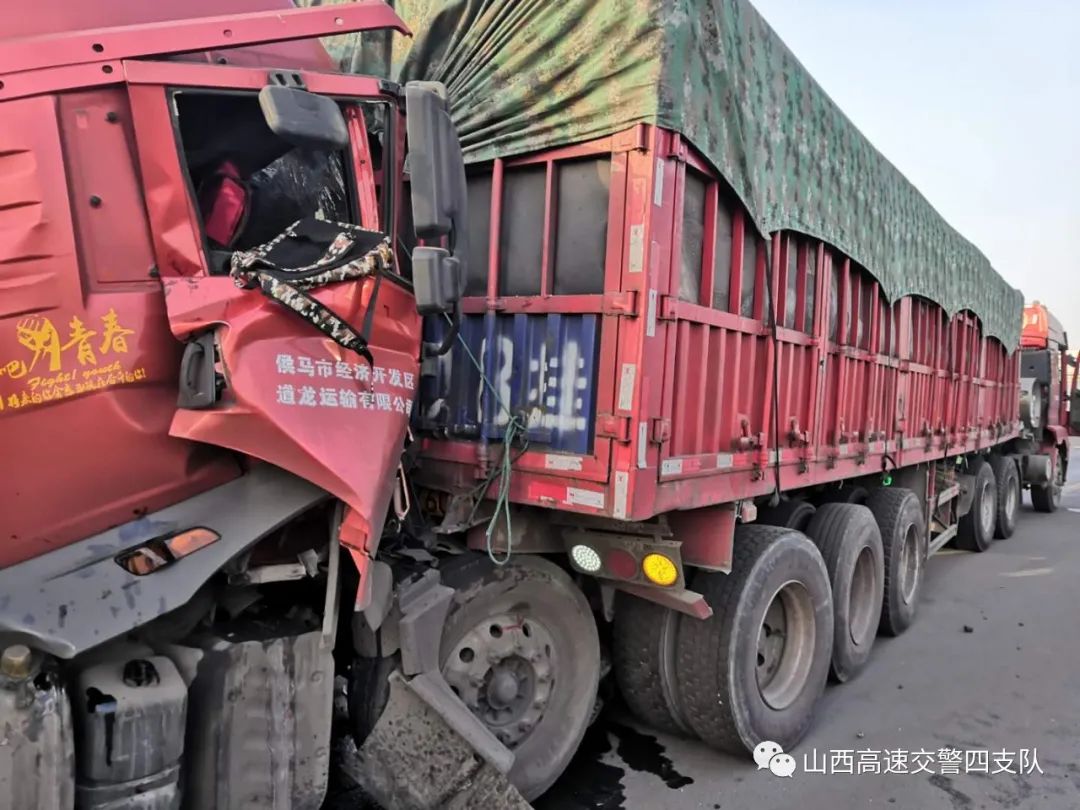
(14, 369)
(80, 336)
(40, 336)
(115, 336)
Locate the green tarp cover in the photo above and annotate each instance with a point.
(532, 74)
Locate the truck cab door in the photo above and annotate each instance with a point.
(256, 378)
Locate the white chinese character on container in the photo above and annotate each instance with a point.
(363, 372)
(382, 402)
(400, 406)
(285, 364)
(367, 401)
(869, 761)
(325, 367)
(922, 760)
(286, 395)
(395, 378)
(409, 383)
(1003, 762)
(950, 760)
(896, 761)
(343, 371)
(305, 366)
(378, 374)
(307, 396)
(347, 398)
(328, 397)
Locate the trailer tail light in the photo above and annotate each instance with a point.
(642, 560)
(162, 551)
(585, 558)
(621, 564)
(660, 570)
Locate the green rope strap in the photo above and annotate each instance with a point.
(516, 431)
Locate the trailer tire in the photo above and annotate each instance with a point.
(976, 529)
(903, 537)
(778, 589)
(548, 645)
(1008, 495)
(1047, 498)
(850, 543)
(849, 493)
(791, 514)
(643, 654)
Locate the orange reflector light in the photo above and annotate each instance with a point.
(659, 570)
(192, 540)
(160, 552)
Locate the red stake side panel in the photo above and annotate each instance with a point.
(695, 401)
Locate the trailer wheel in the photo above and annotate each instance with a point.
(899, 516)
(791, 514)
(1008, 495)
(520, 648)
(850, 543)
(976, 529)
(1047, 498)
(755, 669)
(643, 653)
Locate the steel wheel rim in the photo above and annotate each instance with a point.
(986, 510)
(785, 645)
(503, 669)
(910, 563)
(861, 613)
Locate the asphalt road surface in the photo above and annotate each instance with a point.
(991, 664)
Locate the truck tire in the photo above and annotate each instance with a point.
(791, 514)
(899, 516)
(850, 543)
(1047, 498)
(849, 493)
(976, 529)
(755, 669)
(643, 655)
(1008, 495)
(520, 647)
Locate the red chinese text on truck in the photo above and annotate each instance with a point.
(739, 449)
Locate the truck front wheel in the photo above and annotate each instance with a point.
(755, 669)
(520, 648)
(1047, 498)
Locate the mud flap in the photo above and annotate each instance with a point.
(428, 750)
(421, 754)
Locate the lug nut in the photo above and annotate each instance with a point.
(15, 661)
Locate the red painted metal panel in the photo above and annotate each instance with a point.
(855, 383)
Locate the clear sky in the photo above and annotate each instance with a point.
(978, 103)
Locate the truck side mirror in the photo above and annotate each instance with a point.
(439, 201)
(303, 119)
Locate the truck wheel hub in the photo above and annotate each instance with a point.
(503, 670)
